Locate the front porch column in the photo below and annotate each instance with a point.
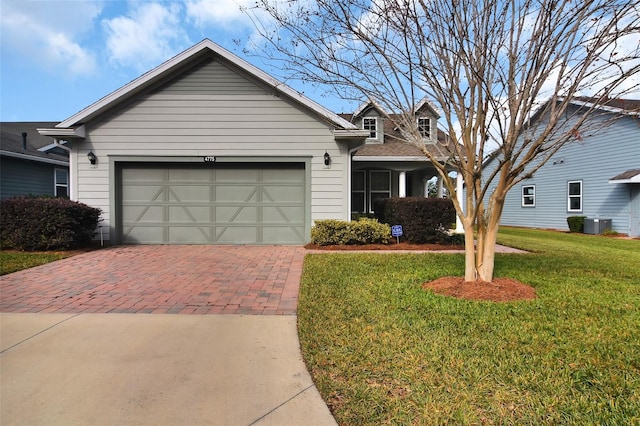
(402, 184)
(440, 188)
(459, 229)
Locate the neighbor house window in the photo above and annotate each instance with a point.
(424, 127)
(61, 178)
(370, 124)
(529, 196)
(358, 191)
(379, 186)
(574, 200)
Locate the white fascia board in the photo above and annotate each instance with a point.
(34, 158)
(66, 132)
(351, 134)
(635, 179)
(151, 76)
(613, 110)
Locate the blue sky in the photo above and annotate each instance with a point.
(60, 56)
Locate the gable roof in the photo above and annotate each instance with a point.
(366, 106)
(205, 47)
(38, 148)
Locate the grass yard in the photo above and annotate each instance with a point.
(382, 350)
(13, 261)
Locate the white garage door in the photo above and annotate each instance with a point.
(219, 204)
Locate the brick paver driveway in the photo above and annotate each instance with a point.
(174, 279)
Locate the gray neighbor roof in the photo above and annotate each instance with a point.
(12, 143)
(628, 175)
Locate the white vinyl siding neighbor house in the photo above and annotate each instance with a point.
(580, 178)
(208, 149)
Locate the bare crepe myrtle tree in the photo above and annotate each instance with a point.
(488, 65)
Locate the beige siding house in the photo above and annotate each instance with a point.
(208, 149)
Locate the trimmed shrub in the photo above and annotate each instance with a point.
(338, 232)
(423, 220)
(45, 223)
(369, 231)
(576, 223)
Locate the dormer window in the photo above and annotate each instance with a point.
(424, 127)
(370, 124)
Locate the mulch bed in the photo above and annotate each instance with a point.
(385, 247)
(499, 290)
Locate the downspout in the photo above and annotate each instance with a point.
(72, 183)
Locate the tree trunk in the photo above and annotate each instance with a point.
(469, 252)
(486, 262)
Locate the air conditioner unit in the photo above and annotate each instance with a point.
(596, 226)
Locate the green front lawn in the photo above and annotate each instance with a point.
(384, 351)
(13, 261)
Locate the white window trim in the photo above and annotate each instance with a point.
(428, 119)
(533, 196)
(375, 123)
(57, 185)
(569, 196)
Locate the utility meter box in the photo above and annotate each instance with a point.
(596, 226)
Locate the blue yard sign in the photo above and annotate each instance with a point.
(396, 231)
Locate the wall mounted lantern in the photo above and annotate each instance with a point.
(92, 157)
(327, 159)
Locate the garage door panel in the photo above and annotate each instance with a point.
(189, 193)
(280, 175)
(143, 175)
(144, 214)
(283, 193)
(144, 234)
(236, 214)
(201, 214)
(282, 214)
(236, 235)
(284, 234)
(226, 204)
(189, 175)
(242, 193)
(142, 193)
(237, 175)
(189, 234)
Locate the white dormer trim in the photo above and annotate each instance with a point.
(427, 102)
(366, 106)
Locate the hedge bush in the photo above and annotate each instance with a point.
(45, 223)
(423, 220)
(576, 223)
(339, 232)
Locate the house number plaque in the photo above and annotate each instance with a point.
(209, 159)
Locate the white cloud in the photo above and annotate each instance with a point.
(205, 13)
(48, 33)
(150, 34)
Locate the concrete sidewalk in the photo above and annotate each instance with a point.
(126, 369)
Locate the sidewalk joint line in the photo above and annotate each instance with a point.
(39, 333)
(277, 407)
